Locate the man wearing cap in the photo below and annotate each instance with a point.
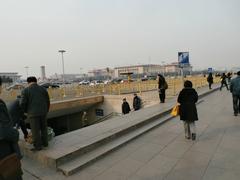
(235, 90)
(35, 102)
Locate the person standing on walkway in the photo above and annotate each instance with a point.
(136, 102)
(125, 107)
(210, 80)
(35, 102)
(162, 86)
(187, 99)
(223, 81)
(235, 90)
(17, 116)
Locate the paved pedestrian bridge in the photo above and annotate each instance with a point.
(147, 144)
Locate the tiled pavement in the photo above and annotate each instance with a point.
(163, 153)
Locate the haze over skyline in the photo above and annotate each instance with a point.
(110, 33)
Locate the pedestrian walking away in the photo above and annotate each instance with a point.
(223, 81)
(35, 102)
(187, 99)
(136, 102)
(125, 107)
(235, 90)
(210, 80)
(162, 86)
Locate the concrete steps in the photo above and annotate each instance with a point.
(72, 166)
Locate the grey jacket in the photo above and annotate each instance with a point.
(35, 100)
(235, 86)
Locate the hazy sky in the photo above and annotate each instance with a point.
(109, 33)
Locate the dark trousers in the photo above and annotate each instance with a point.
(39, 131)
(162, 95)
(223, 83)
(210, 85)
(236, 104)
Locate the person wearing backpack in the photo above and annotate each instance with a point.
(162, 86)
(235, 90)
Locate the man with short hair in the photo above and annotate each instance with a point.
(35, 102)
(235, 90)
(136, 102)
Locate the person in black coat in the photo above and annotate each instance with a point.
(35, 102)
(187, 99)
(136, 102)
(17, 115)
(223, 81)
(162, 86)
(125, 107)
(210, 80)
(8, 136)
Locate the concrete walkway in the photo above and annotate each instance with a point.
(163, 153)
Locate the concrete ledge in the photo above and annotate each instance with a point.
(67, 147)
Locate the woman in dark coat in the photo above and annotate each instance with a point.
(162, 86)
(187, 99)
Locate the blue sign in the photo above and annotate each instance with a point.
(183, 58)
(210, 70)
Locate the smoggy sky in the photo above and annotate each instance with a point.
(110, 33)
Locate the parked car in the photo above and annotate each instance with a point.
(84, 83)
(49, 85)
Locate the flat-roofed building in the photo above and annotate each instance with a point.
(138, 69)
(13, 76)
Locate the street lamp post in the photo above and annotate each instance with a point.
(63, 76)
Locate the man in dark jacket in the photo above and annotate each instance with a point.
(136, 102)
(17, 115)
(223, 81)
(235, 90)
(188, 111)
(125, 107)
(35, 102)
(162, 86)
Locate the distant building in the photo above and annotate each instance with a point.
(67, 77)
(149, 69)
(174, 68)
(138, 69)
(10, 76)
(101, 73)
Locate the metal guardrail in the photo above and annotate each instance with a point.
(75, 90)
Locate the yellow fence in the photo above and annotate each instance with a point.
(75, 90)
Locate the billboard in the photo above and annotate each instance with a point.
(183, 58)
(210, 70)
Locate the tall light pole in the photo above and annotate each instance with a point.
(26, 67)
(63, 76)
